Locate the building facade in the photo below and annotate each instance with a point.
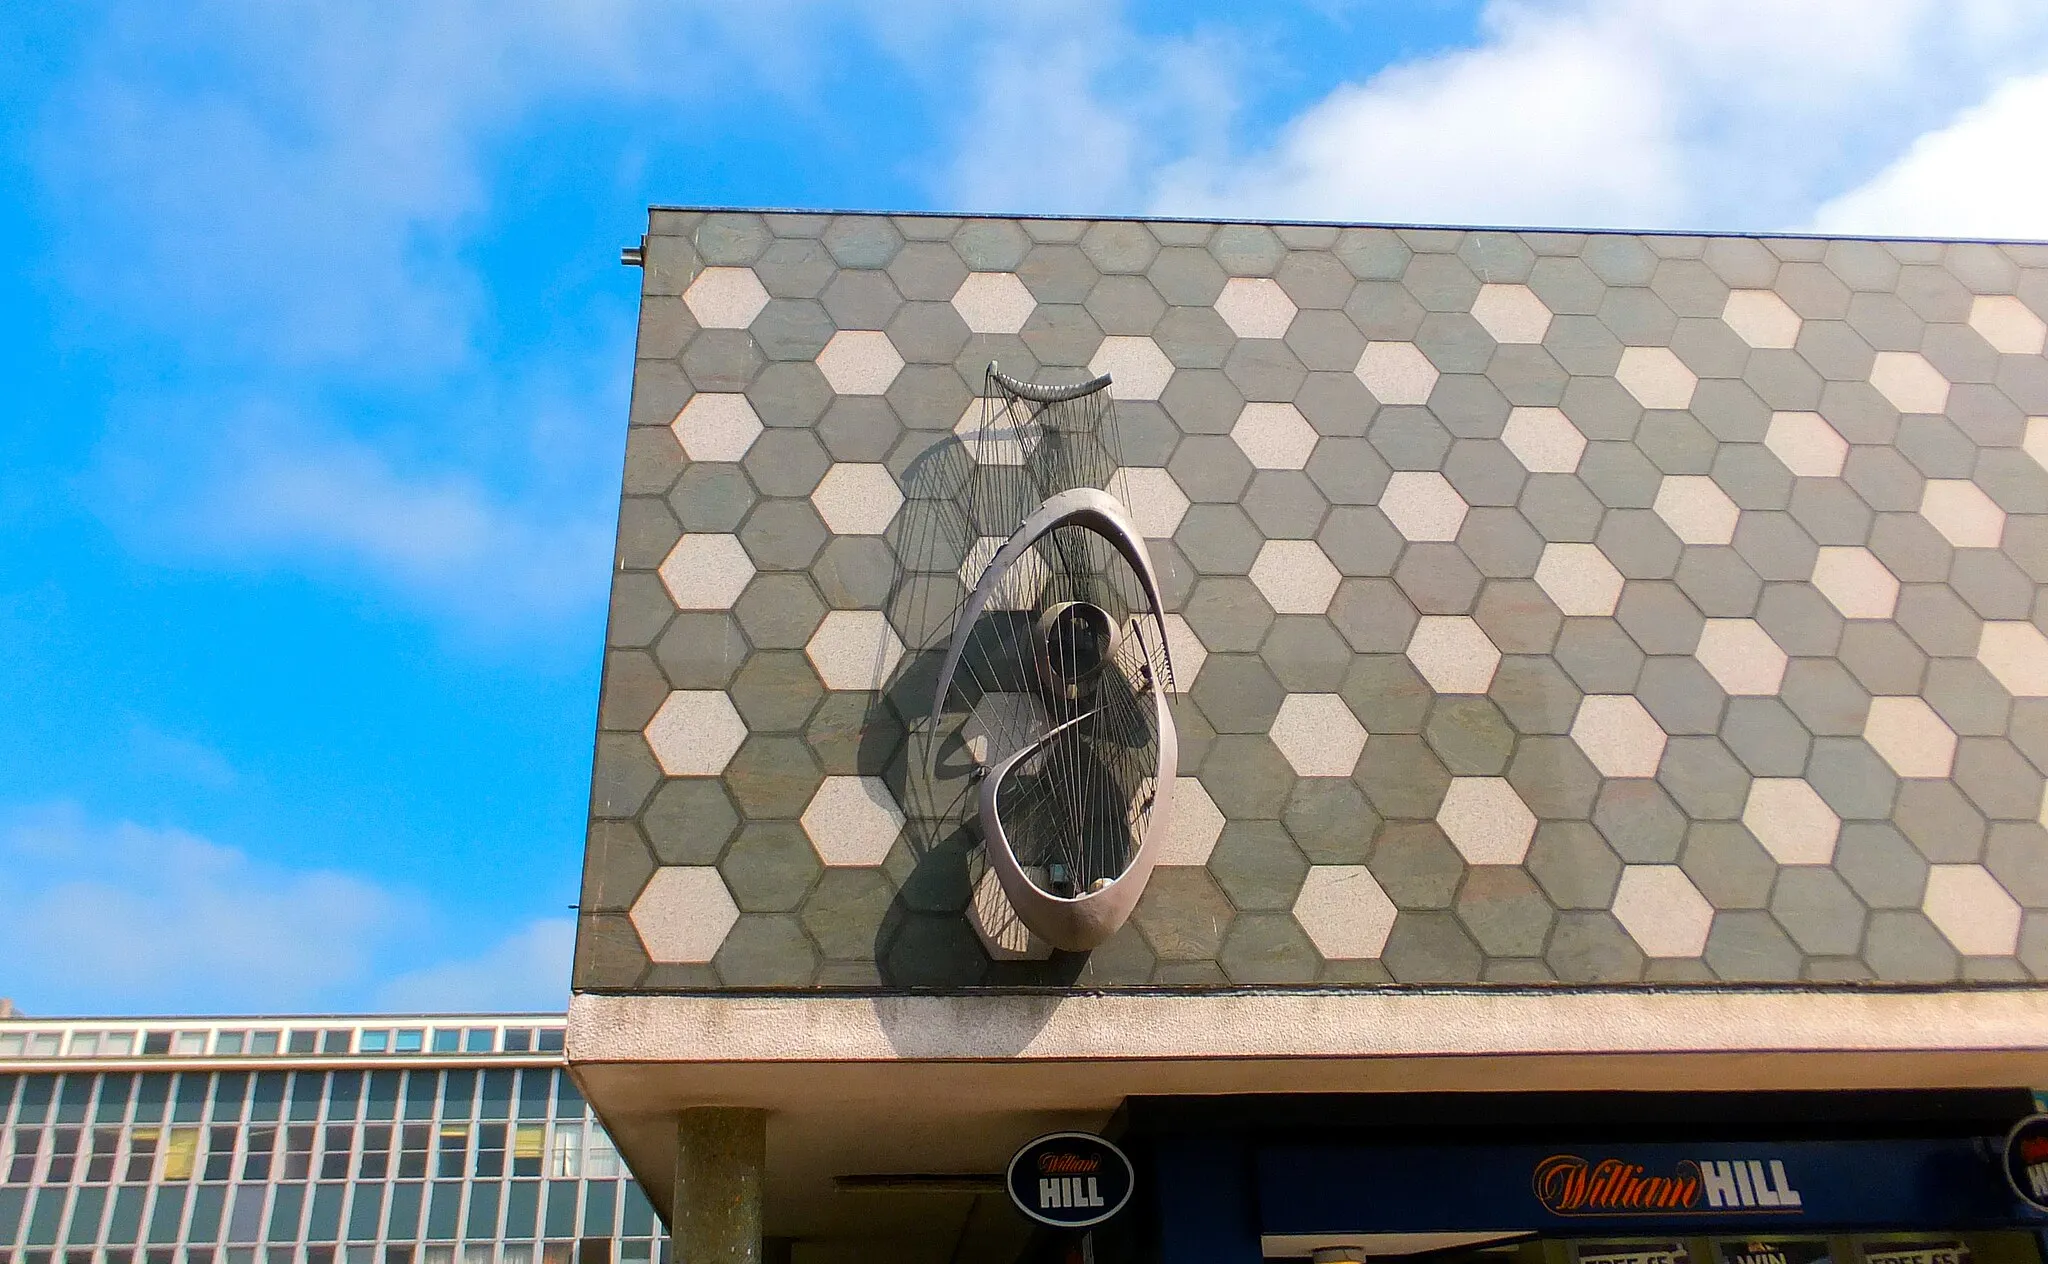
(1598, 662)
(306, 1140)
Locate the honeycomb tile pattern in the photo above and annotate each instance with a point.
(1552, 607)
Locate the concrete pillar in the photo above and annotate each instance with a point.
(721, 1152)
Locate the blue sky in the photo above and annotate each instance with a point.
(316, 351)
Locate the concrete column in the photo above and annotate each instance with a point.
(720, 1154)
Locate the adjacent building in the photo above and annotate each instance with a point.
(450, 1139)
(1610, 704)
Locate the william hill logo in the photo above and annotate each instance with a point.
(1568, 1185)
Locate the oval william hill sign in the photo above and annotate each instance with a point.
(2026, 1160)
(1070, 1180)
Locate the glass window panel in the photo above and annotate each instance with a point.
(344, 1089)
(36, 1092)
(376, 1160)
(556, 1252)
(522, 1205)
(230, 1042)
(561, 1212)
(263, 1043)
(638, 1218)
(298, 1152)
(156, 1042)
(600, 1208)
(528, 1141)
(84, 1044)
(87, 1211)
(364, 1213)
(189, 1042)
(73, 1098)
(453, 1150)
(63, 1155)
(191, 1100)
(458, 1093)
(439, 1255)
(106, 1147)
(601, 1160)
(151, 1096)
(208, 1201)
(229, 1090)
(245, 1222)
(477, 1252)
(447, 1039)
(568, 1099)
(535, 1085)
(516, 1253)
(12, 1043)
(334, 1154)
(285, 1208)
(480, 1040)
(548, 1040)
(302, 1041)
(47, 1214)
(635, 1252)
(336, 1040)
(420, 1087)
(21, 1162)
(118, 1044)
(114, 1092)
(404, 1220)
(307, 1087)
(490, 1150)
(382, 1096)
(180, 1149)
(412, 1155)
(266, 1100)
(483, 1211)
(323, 1222)
(398, 1254)
(43, 1044)
(408, 1040)
(497, 1095)
(220, 1153)
(594, 1251)
(168, 1214)
(444, 1210)
(142, 1145)
(373, 1041)
(518, 1039)
(125, 1225)
(256, 1160)
(568, 1151)
(7, 1083)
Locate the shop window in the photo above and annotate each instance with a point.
(375, 1164)
(374, 1041)
(229, 1042)
(263, 1043)
(407, 1040)
(301, 1042)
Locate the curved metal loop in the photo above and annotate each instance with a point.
(1037, 393)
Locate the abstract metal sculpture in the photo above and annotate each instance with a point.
(1059, 656)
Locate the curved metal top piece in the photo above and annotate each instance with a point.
(1039, 394)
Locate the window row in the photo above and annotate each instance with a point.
(295, 1096)
(270, 1041)
(580, 1251)
(253, 1213)
(104, 1154)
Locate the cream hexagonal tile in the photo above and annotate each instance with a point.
(1453, 653)
(1696, 509)
(1396, 372)
(1274, 436)
(1318, 735)
(1663, 911)
(1741, 657)
(706, 572)
(725, 298)
(1544, 440)
(1003, 442)
(1486, 821)
(695, 733)
(1137, 368)
(993, 302)
(1792, 821)
(1423, 505)
(2036, 441)
(1968, 905)
(1656, 377)
(1344, 912)
(1156, 502)
(1003, 936)
(1019, 588)
(1964, 515)
(2017, 654)
(1255, 307)
(1910, 736)
(1909, 382)
(1511, 313)
(1618, 735)
(1856, 582)
(1193, 825)
(2008, 325)
(1296, 576)
(1186, 650)
(1761, 319)
(856, 499)
(716, 426)
(853, 821)
(1579, 579)
(860, 362)
(854, 649)
(1807, 445)
(683, 914)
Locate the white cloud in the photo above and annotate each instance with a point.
(1980, 176)
(118, 917)
(156, 751)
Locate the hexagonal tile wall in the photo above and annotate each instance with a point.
(1761, 319)
(1544, 440)
(695, 733)
(716, 427)
(1453, 654)
(683, 914)
(1396, 372)
(1511, 313)
(2007, 324)
(1791, 820)
(2016, 654)
(1663, 911)
(1274, 436)
(1317, 735)
(1295, 576)
(1578, 579)
(1964, 515)
(725, 298)
(1345, 912)
(993, 302)
(1486, 821)
(1914, 740)
(1807, 445)
(857, 499)
(1192, 827)
(1741, 657)
(1909, 382)
(1619, 737)
(1156, 502)
(860, 362)
(1696, 509)
(1969, 907)
(1855, 582)
(854, 649)
(1255, 307)
(1656, 377)
(1137, 368)
(852, 821)
(1423, 505)
(706, 572)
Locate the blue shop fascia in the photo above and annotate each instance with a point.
(1890, 1177)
